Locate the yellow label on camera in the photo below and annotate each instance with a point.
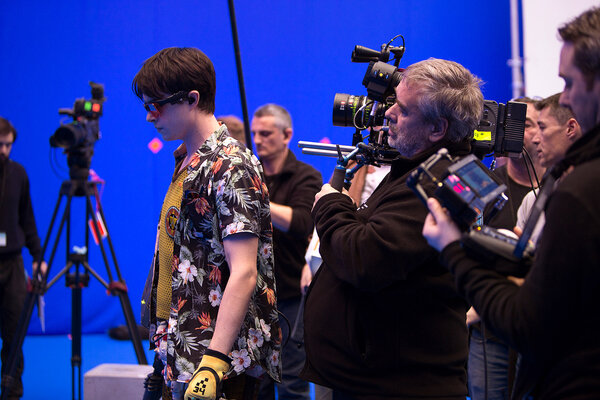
(482, 135)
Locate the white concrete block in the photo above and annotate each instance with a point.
(115, 381)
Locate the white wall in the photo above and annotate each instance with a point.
(541, 46)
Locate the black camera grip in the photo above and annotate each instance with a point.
(337, 180)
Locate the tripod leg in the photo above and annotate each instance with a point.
(122, 292)
(76, 338)
(132, 327)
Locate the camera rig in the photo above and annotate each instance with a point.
(500, 131)
(78, 137)
(364, 112)
(466, 189)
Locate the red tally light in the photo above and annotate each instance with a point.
(96, 107)
(155, 145)
(458, 188)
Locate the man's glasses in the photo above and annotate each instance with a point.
(153, 107)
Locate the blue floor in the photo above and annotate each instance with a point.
(48, 362)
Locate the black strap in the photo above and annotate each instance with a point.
(534, 216)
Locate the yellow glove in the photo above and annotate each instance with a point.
(206, 381)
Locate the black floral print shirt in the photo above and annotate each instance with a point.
(224, 194)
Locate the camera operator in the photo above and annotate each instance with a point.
(17, 229)
(552, 319)
(382, 317)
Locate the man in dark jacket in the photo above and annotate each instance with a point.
(382, 317)
(292, 187)
(17, 230)
(552, 319)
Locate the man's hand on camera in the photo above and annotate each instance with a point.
(439, 229)
(328, 189)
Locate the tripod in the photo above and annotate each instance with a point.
(76, 281)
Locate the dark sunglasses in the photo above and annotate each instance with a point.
(153, 107)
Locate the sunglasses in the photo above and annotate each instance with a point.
(153, 107)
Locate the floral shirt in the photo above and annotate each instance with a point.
(223, 194)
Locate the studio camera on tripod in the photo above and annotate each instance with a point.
(79, 136)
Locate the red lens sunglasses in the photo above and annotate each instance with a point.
(153, 107)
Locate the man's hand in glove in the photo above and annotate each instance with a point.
(206, 381)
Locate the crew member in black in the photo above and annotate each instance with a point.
(292, 187)
(552, 319)
(493, 379)
(382, 317)
(17, 230)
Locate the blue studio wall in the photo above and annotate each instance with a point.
(293, 53)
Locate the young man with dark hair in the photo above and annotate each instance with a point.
(17, 230)
(212, 308)
(552, 319)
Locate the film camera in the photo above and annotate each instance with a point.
(78, 137)
(500, 131)
(364, 112)
(380, 80)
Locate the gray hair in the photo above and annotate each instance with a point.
(448, 90)
(283, 120)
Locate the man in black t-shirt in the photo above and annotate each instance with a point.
(292, 187)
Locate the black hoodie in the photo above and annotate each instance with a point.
(382, 317)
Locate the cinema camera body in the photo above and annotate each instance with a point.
(78, 137)
(364, 112)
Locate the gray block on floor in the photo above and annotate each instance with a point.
(115, 381)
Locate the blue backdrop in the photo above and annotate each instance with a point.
(296, 54)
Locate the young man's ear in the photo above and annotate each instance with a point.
(193, 98)
(438, 130)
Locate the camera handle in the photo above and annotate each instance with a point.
(363, 154)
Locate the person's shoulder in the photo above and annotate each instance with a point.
(15, 167)
(583, 179)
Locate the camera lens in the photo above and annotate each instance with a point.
(350, 110)
(68, 135)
